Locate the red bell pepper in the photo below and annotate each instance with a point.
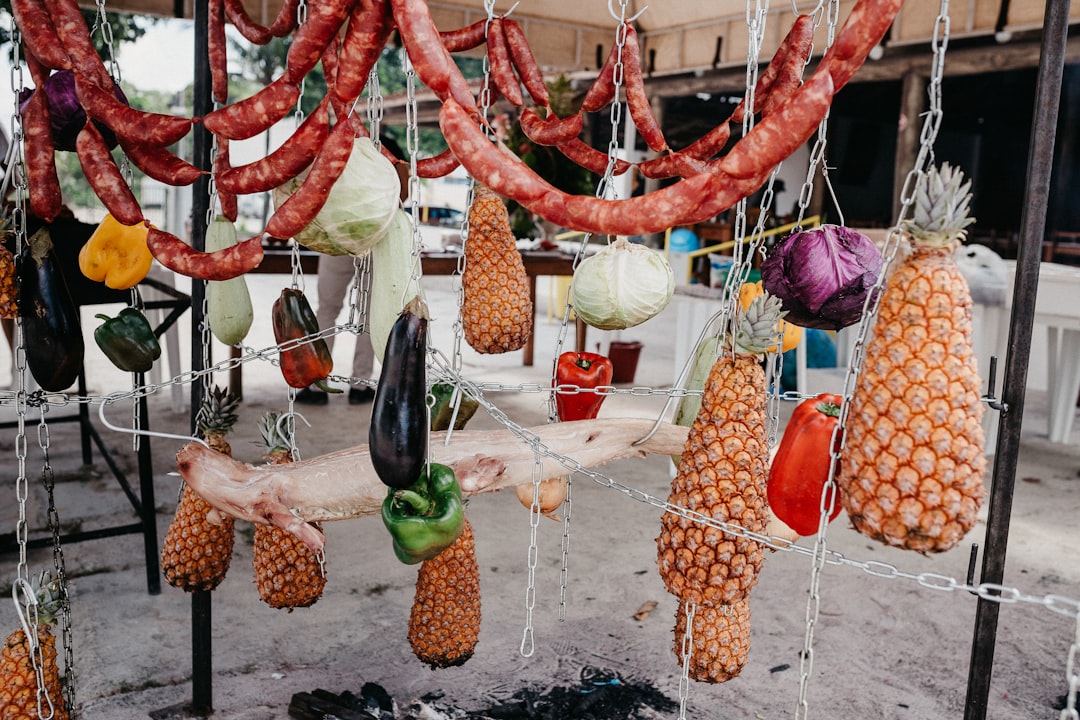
(585, 370)
(306, 364)
(800, 468)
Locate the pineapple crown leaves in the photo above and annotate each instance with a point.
(218, 411)
(942, 209)
(44, 600)
(274, 433)
(756, 330)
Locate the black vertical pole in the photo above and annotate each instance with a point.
(147, 511)
(202, 694)
(1033, 226)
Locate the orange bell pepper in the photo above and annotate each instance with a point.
(116, 254)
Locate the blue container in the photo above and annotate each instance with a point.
(683, 240)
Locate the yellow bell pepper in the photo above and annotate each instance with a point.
(116, 254)
(792, 333)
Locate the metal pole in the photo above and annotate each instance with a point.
(202, 668)
(1033, 226)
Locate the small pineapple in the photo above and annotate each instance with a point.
(18, 679)
(444, 624)
(496, 308)
(8, 308)
(911, 473)
(723, 471)
(720, 640)
(288, 573)
(198, 545)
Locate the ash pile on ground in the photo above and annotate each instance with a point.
(599, 695)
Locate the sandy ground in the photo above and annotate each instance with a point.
(883, 647)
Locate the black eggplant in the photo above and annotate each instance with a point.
(397, 436)
(52, 331)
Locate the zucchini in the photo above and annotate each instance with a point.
(398, 433)
(392, 283)
(50, 317)
(228, 302)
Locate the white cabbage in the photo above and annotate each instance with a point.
(621, 286)
(359, 207)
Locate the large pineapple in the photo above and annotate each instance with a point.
(198, 545)
(723, 471)
(444, 624)
(496, 307)
(288, 573)
(18, 678)
(720, 640)
(913, 462)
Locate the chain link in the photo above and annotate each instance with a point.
(564, 567)
(686, 654)
(1072, 676)
(528, 641)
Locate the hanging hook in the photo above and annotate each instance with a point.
(147, 433)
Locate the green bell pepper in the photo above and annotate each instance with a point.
(425, 518)
(442, 411)
(128, 340)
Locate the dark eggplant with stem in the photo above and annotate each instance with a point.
(50, 318)
(398, 434)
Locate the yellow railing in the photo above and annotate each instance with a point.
(810, 222)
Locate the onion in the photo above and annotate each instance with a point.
(823, 276)
(621, 286)
(552, 492)
(65, 112)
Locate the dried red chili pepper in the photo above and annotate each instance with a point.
(585, 370)
(800, 468)
(309, 363)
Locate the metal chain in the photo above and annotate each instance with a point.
(1072, 676)
(101, 22)
(48, 481)
(931, 123)
(528, 642)
(686, 654)
(563, 570)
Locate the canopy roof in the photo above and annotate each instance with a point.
(679, 36)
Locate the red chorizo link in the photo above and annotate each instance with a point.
(367, 33)
(38, 71)
(178, 256)
(227, 200)
(793, 54)
(256, 114)
(287, 161)
(134, 126)
(74, 36)
(217, 53)
(39, 34)
(710, 144)
(525, 62)
(438, 166)
(602, 91)
(429, 57)
(286, 19)
(46, 200)
(677, 164)
(589, 157)
(865, 26)
(323, 22)
(161, 164)
(502, 70)
(105, 177)
(636, 99)
(552, 130)
(252, 31)
(466, 38)
(304, 204)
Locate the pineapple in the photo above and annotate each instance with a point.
(8, 309)
(720, 640)
(444, 624)
(18, 679)
(198, 546)
(496, 308)
(288, 573)
(723, 471)
(911, 471)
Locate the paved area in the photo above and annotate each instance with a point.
(883, 647)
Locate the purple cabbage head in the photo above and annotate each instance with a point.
(822, 276)
(65, 112)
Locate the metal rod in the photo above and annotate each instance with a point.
(1022, 320)
(202, 670)
(147, 511)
